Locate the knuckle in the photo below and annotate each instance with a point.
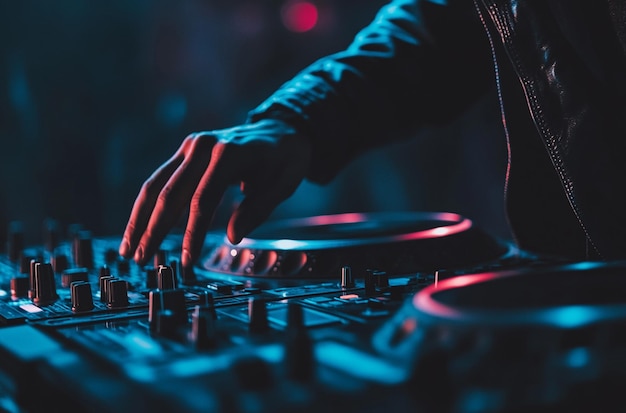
(189, 140)
(201, 208)
(165, 195)
(130, 228)
(188, 239)
(146, 238)
(203, 142)
(197, 206)
(187, 236)
(151, 235)
(198, 142)
(219, 150)
(149, 187)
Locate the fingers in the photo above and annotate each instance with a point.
(258, 155)
(142, 208)
(172, 200)
(220, 173)
(163, 198)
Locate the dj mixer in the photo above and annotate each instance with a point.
(403, 312)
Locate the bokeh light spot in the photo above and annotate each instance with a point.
(299, 16)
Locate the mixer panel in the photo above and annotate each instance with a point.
(83, 329)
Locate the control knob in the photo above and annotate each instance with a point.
(103, 283)
(83, 249)
(257, 316)
(44, 291)
(51, 234)
(160, 258)
(203, 333)
(171, 303)
(19, 287)
(166, 278)
(82, 300)
(346, 277)
(117, 293)
(59, 262)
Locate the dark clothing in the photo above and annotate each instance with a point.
(560, 71)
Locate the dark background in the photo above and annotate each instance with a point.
(94, 95)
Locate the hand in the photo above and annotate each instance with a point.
(269, 159)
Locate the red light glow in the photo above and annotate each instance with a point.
(424, 300)
(347, 218)
(299, 16)
(438, 232)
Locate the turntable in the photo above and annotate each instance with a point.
(530, 339)
(317, 247)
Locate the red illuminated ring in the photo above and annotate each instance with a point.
(446, 303)
(457, 224)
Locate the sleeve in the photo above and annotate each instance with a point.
(418, 63)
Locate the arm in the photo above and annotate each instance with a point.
(416, 63)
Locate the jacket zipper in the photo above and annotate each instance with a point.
(501, 19)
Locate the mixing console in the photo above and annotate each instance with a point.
(303, 316)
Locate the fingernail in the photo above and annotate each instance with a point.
(139, 255)
(186, 258)
(233, 238)
(124, 247)
(233, 235)
(238, 235)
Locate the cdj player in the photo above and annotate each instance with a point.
(364, 312)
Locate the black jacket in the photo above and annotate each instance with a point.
(560, 71)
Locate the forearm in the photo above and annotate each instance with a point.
(415, 64)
